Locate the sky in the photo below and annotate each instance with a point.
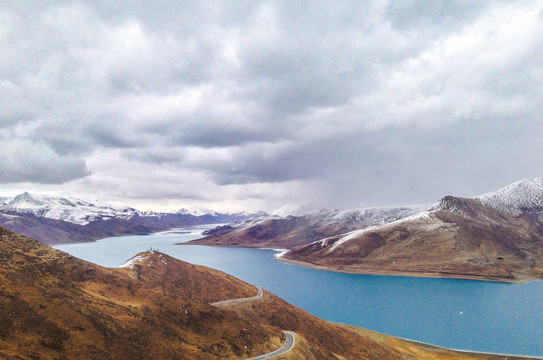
(265, 104)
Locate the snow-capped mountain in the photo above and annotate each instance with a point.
(199, 211)
(67, 209)
(294, 230)
(53, 219)
(497, 236)
(517, 197)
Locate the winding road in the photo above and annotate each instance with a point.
(231, 302)
(289, 335)
(287, 346)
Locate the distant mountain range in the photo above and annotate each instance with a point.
(66, 219)
(494, 236)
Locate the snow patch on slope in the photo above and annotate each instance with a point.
(365, 217)
(280, 252)
(143, 258)
(133, 261)
(425, 220)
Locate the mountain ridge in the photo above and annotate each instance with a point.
(496, 236)
(55, 219)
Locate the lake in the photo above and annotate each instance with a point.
(453, 313)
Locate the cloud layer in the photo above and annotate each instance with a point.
(261, 104)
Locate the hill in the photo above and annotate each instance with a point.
(55, 306)
(496, 236)
(291, 231)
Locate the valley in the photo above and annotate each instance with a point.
(271, 179)
(55, 305)
(493, 317)
(493, 237)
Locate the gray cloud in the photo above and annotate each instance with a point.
(264, 103)
(23, 161)
(441, 15)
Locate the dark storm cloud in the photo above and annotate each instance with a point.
(417, 164)
(363, 102)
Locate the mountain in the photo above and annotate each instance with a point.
(496, 236)
(55, 306)
(67, 209)
(517, 198)
(66, 219)
(291, 231)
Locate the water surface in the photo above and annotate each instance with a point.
(459, 314)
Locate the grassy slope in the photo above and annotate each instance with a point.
(54, 306)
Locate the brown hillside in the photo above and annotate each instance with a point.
(55, 306)
(461, 238)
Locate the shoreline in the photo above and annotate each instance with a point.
(421, 343)
(376, 272)
(308, 265)
(422, 274)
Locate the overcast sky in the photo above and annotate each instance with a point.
(261, 104)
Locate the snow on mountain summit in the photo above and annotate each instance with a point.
(27, 201)
(524, 194)
(76, 211)
(199, 211)
(67, 209)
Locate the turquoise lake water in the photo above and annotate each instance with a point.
(459, 314)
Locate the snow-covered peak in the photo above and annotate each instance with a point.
(245, 213)
(28, 201)
(150, 213)
(82, 212)
(199, 211)
(514, 198)
(287, 210)
(67, 209)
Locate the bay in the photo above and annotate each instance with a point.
(453, 313)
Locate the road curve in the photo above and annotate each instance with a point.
(287, 346)
(231, 302)
(289, 335)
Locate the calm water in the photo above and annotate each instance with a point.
(460, 314)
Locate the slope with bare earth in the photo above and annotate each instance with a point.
(55, 306)
(456, 238)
